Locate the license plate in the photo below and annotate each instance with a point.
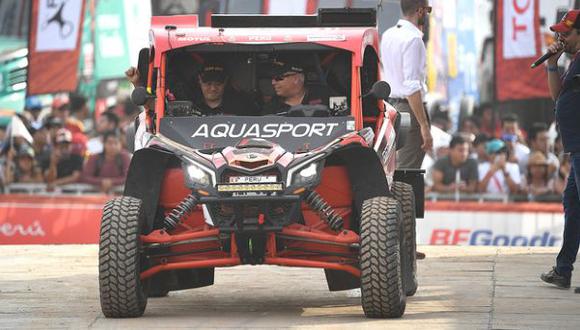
(253, 179)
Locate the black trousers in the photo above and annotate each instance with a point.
(571, 201)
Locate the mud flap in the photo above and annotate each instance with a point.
(339, 280)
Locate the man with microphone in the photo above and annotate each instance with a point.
(565, 92)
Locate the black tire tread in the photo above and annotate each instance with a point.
(381, 284)
(403, 193)
(120, 288)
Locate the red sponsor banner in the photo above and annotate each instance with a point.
(26, 219)
(54, 45)
(518, 44)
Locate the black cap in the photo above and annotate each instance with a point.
(213, 72)
(280, 67)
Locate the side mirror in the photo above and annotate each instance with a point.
(139, 96)
(380, 91)
(143, 65)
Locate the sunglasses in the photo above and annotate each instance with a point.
(281, 77)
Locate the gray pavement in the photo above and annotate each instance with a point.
(459, 288)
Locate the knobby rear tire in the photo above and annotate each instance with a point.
(404, 194)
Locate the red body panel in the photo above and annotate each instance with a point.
(314, 235)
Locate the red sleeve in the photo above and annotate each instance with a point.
(88, 175)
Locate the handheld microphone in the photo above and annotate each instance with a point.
(545, 57)
(542, 59)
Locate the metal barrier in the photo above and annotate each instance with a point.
(79, 189)
(487, 197)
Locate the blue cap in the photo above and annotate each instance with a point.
(494, 146)
(33, 103)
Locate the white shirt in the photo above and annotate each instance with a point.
(403, 56)
(522, 152)
(497, 183)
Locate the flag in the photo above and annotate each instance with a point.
(54, 45)
(16, 128)
(518, 44)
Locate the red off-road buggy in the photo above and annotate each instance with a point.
(314, 186)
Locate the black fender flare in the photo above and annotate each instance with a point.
(365, 172)
(144, 179)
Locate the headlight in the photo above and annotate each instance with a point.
(197, 174)
(307, 175)
(309, 172)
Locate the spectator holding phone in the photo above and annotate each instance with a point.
(511, 135)
(498, 175)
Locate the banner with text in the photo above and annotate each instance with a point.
(27, 219)
(518, 44)
(493, 224)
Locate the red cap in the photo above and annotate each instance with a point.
(59, 101)
(569, 21)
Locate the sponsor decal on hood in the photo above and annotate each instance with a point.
(291, 133)
(266, 131)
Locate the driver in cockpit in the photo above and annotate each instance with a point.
(215, 95)
(288, 81)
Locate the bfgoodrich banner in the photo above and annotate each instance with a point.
(496, 224)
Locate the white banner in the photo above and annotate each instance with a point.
(490, 228)
(519, 40)
(58, 25)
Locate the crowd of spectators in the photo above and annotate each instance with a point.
(67, 145)
(496, 157)
(486, 155)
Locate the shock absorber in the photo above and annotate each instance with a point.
(326, 212)
(184, 208)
